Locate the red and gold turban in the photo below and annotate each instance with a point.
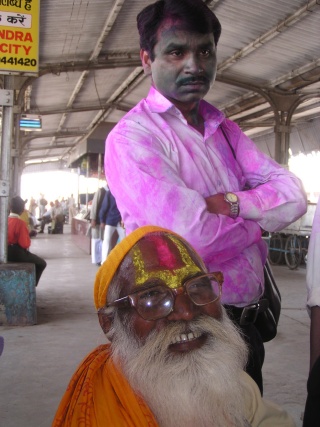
(114, 259)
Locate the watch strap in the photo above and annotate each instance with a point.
(234, 206)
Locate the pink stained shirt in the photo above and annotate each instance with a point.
(160, 169)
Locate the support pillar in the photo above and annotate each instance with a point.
(284, 106)
(5, 160)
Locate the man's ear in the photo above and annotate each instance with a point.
(146, 61)
(105, 320)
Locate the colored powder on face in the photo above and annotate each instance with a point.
(156, 258)
(166, 257)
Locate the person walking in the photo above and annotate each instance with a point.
(72, 208)
(42, 205)
(110, 222)
(96, 231)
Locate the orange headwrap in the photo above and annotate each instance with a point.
(116, 256)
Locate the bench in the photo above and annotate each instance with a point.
(17, 294)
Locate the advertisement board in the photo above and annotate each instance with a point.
(19, 36)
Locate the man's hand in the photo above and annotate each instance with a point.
(102, 225)
(217, 205)
(93, 223)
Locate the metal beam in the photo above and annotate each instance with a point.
(62, 134)
(102, 63)
(113, 14)
(81, 109)
(52, 147)
(133, 79)
(269, 35)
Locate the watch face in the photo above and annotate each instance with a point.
(232, 197)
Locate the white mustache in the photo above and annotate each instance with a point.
(158, 342)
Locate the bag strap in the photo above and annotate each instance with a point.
(227, 139)
(247, 187)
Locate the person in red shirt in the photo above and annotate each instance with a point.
(19, 239)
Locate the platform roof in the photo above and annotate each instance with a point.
(90, 70)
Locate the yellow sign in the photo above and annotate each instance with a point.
(19, 36)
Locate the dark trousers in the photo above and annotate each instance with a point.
(45, 220)
(312, 410)
(255, 344)
(17, 254)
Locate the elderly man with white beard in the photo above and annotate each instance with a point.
(174, 357)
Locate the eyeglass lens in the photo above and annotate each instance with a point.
(157, 302)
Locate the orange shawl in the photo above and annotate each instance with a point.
(98, 395)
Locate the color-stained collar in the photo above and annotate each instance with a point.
(160, 104)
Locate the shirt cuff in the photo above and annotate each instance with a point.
(248, 205)
(314, 297)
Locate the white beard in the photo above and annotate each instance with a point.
(201, 388)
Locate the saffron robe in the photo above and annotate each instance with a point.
(98, 395)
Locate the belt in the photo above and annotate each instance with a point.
(248, 314)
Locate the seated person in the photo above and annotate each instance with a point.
(27, 217)
(19, 239)
(46, 218)
(175, 358)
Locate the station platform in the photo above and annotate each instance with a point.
(38, 361)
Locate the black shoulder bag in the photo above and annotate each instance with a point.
(267, 320)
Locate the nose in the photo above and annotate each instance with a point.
(192, 64)
(184, 308)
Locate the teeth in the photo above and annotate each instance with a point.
(185, 337)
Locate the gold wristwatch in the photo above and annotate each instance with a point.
(233, 201)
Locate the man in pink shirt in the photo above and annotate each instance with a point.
(175, 161)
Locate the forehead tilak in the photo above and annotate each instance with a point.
(175, 266)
